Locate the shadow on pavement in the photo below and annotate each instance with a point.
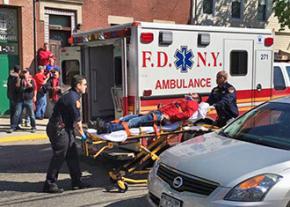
(140, 202)
(32, 160)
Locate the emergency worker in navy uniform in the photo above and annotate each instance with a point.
(223, 98)
(60, 130)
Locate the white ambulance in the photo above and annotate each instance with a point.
(132, 68)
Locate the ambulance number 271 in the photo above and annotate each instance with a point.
(264, 56)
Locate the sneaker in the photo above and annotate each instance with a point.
(52, 188)
(33, 130)
(81, 185)
(27, 124)
(92, 124)
(100, 123)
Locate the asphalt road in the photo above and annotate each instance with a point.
(22, 172)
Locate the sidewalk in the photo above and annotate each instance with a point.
(22, 135)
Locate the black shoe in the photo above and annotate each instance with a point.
(81, 185)
(52, 188)
(92, 124)
(100, 123)
(102, 126)
(11, 130)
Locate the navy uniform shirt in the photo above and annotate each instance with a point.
(225, 101)
(68, 108)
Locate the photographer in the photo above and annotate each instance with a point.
(41, 81)
(25, 88)
(53, 84)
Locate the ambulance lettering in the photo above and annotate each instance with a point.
(162, 59)
(182, 83)
(184, 59)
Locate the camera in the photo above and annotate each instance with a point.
(52, 73)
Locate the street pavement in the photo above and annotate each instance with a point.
(22, 135)
(24, 159)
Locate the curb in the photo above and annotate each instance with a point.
(23, 138)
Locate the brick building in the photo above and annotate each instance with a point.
(124, 11)
(56, 20)
(16, 40)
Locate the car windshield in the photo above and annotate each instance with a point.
(268, 124)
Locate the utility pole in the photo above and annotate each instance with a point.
(34, 36)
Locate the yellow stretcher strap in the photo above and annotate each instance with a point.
(126, 127)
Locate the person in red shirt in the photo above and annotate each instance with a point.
(41, 102)
(44, 54)
(54, 85)
(172, 112)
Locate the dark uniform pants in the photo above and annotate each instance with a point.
(222, 117)
(64, 149)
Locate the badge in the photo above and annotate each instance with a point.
(231, 89)
(78, 104)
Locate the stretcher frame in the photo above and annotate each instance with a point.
(121, 177)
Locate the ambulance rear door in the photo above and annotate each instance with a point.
(107, 83)
(238, 55)
(263, 76)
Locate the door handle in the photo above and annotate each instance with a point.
(259, 87)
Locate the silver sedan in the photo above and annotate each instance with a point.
(247, 163)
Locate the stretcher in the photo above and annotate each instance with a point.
(158, 138)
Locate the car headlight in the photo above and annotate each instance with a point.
(253, 189)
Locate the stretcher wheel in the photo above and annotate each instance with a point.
(122, 186)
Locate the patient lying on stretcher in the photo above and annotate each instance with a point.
(190, 108)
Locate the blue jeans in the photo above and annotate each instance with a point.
(136, 121)
(40, 105)
(28, 104)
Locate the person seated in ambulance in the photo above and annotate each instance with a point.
(223, 98)
(172, 112)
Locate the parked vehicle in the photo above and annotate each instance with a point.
(132, 68)
(247, 163)
(281, 80)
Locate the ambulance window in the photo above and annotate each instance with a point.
(69, 68)
(288, 71)
(239, 63)
(279, 82)
(236, 9)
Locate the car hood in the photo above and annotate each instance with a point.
(225, 160)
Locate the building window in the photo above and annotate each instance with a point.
(238, 63)
(59, 25)
(207, 6)
(262, 6)
(236, 9)
(60, 28)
